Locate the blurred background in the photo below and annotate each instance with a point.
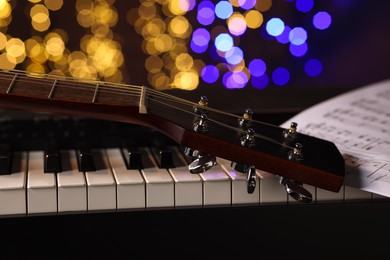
(271, 56)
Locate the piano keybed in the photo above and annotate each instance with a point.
(113, 183)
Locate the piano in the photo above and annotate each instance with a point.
(61, 165)
(133, 191)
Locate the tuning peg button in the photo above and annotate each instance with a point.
(202, 164)
(295, 190)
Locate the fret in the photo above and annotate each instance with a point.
(52, 89)
(11, 84)
(95, 94)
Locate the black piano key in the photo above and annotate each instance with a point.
(52, 162)
(164, 157)
(85, 160)
(133, 158)
(5, 159)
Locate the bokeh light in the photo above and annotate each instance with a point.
(187, 43)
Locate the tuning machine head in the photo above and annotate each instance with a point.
(201, 162)
(200, 108)
(296, 190)
(246, 120)
(291, 132)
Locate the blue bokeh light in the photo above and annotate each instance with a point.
(297, 36)
(322, 20)
(205, 14)
(210, 73)
(304, 6)
(298, 50)
(257, 67)
(280, 76)
(275, 27)
(223, 9)
(223, 42)
(313, 67)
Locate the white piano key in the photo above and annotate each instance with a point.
(130, 186)
(188, 186)
(13, 187)
(72, 189)
(325, 196)
(216, 187)
(271, 191)
(352, 194)
(41, 186)
(101, 193)
(240, 194)
(159, 183)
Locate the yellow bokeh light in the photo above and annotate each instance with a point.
(163, 42)
(176, 7)
(55, 46)
(5, 9)
(105, 15)
(187, 80)
(263, 5)
(3, 40)
(15, 47)
(54, 5)
(159, 81)
(179, 27)
(6, 62)
(254, 19)
(184, 62)
(153, 64)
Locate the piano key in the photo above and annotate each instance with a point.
(216, 187)
(159, 183)
(133, 158)
(52, 159)
(130, 186)
(352, 194)
(165, 158)
(13, 187)
(101, 189)
(240, 193)
(188, 186)
(71, 183)
(86, 160)
(41, 187)
(325, 196)
(5, 159)
(271, 191)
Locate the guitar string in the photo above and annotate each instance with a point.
(114, 88)
(129, 90)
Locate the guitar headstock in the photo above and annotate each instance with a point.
(249, 144)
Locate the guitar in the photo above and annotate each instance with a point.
(206, 132)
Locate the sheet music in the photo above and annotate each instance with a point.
(358, 122)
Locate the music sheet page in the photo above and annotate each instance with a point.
(358, 122)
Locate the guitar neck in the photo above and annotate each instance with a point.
(68, 96)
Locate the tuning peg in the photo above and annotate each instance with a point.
(296, 153)
(245, 120)
(202, 164)
(201, 125)
(247, 140)
(295, 190)
(250, 171)
(199, 108)
(291, 131)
